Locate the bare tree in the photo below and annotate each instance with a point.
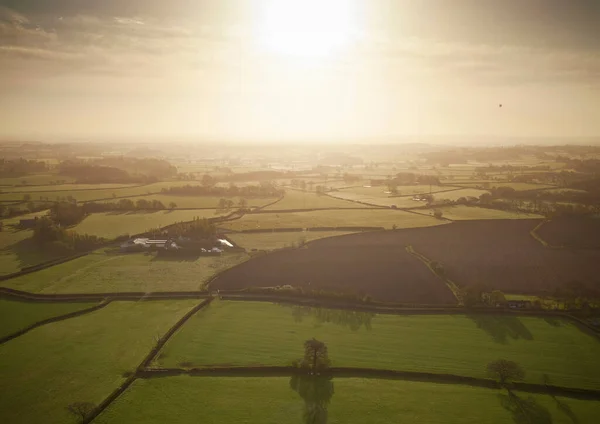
(81, 410)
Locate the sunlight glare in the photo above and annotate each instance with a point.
(308, 28)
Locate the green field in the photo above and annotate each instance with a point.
(112, 224)
(108, 271)
(295, 199)
(270, 400)
(331, 218)
(34, 179)
(272, 241)
(79, 360)
(254, 333)
(52, 194)
(16, 249)
(461, 213)
(15, 315)
(516, 186)
(457, 194)
(378, 196)
(198, 201)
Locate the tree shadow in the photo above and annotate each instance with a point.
(28, 253)
(554, 322)
(525, 411)
(353, 320)
(502, 328)
(316, 391)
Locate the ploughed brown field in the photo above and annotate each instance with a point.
(578, 233)
(500, 255)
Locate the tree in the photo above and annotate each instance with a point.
(26, 197)
(505, 371)
(172, 205)
(497, 297)
(242, 203)
(438, 213)
(208, 181)
(315, 356)
(81, 410)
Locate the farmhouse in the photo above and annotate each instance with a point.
(519, 304)
(139, 244)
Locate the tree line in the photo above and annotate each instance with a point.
(264, 189)
(20, 167)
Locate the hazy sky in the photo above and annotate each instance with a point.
(299, 68)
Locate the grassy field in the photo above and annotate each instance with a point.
(516, 186)
(270, 400)
(51, 193)
(244, 333)
(457, 194)
(79, 360)
(199, 201)
(332, 218)
(16, 250)
(378, 196)
(294, 199)
(272, 241)
(66, 187)
(15, 315)
(461, 212)
(106, 271)
(34, 179)
(112, 224)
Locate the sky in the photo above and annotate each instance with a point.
(298, 69)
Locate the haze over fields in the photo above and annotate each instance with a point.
(299, 211)
(296, 70)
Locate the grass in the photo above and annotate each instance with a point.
(515, 186)
(15, 315)
(92, 194)
(79, 360)
(254, 333)
(272, 241)
(16, 248)
(200, 201)
(112, 224)
(106, 271)
(457, 194)
(33, 190)
(33, 179)
(331, 218)
(294, 199)
(461, 212)
(377, 195)
(270, 400)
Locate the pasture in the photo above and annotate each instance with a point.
(378, 196)
(295, 199)
(515, 186)
(113, 224)
(386, 218)
(16, 248)
(200, 202)
(16, 315)
(181, 400)
(107, 270)
(457, 194)
(462, 212)
(233, 333)
(274, 241)
(33, 179)
(81, 359)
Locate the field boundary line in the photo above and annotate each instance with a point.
(147, 359)
(536, 236)
(371, 373)
(74, 189)
(452, 286)
(58, 318)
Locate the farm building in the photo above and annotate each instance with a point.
(138, 244)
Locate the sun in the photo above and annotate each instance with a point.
(308, 28)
